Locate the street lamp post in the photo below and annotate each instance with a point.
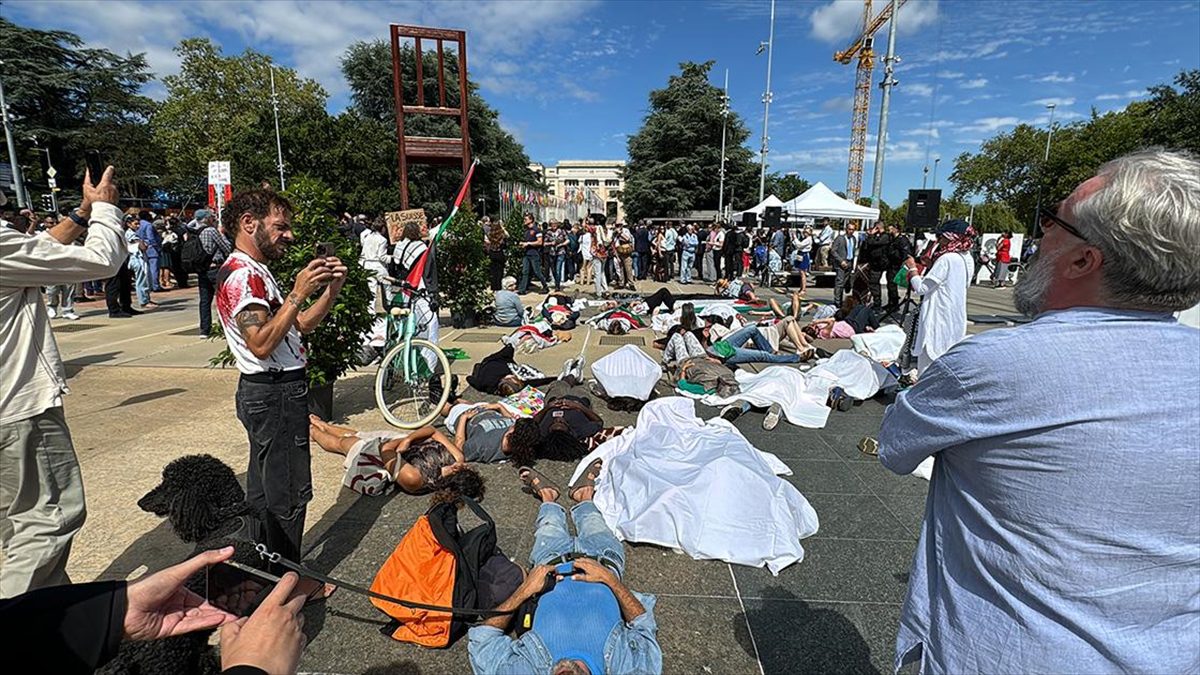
(724, 125)
(935, 166)
(1037, 223)
(50, 177)
(770, 43)
(889, 81)
(18, 181)
(924, 176)
(278, 142)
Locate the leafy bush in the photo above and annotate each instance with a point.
(331, 349)
(514, 224)
(463, 265)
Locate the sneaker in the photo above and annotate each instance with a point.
(52, 312)
(70, 315)
(577, 367)
(773, 415)
(734, 410)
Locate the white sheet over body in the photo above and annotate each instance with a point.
(861, 377)
(802, 396)
(677, 481)
(884, 344)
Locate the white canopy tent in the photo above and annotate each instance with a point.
(821, 202)
(758, 209)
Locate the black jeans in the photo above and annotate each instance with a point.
(495, 272)
(661, 297)
(208, 289)
(273, 407)
(532, 263)
(118, 290)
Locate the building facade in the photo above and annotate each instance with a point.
(603, 177)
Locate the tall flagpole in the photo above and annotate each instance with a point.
(278, 142)
(762, 176)
(889, 81)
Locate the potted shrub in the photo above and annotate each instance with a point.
(462, 270)
(514, 225)
(332, 348)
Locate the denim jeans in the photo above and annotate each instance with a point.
(559, 263)
(207, 281)
(762, 353)
(687, 267)
(531, 263)
(279, 477)
(152, 267)
(639, 264)
(553, 541)
(141, 279)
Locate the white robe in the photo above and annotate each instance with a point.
(677, 481)
(943, 318)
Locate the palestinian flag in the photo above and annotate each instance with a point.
(416, 275)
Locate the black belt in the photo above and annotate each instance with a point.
(274, 376)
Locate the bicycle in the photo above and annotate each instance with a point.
(413, 381)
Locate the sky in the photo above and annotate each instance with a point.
(570, 78)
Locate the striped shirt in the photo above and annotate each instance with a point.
(243, 282)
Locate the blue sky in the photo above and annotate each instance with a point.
(570, 78)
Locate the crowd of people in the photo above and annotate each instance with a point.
(1041, 524)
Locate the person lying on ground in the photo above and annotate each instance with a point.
(486, 434)
(494, 374)
(556, 309)
(731, 350)
(587, 619)
(509, 310)
(705, 375)
(684, 340)
(736, 289)
(861, 319)
(567, 427)
(795, 308)
(423, 461)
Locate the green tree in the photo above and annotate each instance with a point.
(786, 187)
(1173, 117)
(367, 66)
(219, 108)
(675, 157)
(75, 98)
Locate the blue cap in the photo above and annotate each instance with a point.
(201, 214)
(956, 226)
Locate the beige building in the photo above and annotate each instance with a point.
(602, 177)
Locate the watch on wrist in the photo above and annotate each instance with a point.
(78, 219)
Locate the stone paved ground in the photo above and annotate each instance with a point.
(141, 396)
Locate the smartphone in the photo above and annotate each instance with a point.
(326, 249)
(236, 588)
(95, 165)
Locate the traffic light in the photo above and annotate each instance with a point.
(48, 203)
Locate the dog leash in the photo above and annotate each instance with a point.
(303, 571)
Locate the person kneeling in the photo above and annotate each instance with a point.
(587, 620)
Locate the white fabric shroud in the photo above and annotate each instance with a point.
(677, 481)
(861, 377)
(627, 372)
(882, 345)
(801, 395)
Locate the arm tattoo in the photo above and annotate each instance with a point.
(250, 317)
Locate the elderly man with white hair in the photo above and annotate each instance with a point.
(509, 310)
(1061, 529)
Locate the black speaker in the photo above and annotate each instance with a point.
(924, 207)
(772, 216)
(749, 220)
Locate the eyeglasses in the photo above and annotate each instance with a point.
(1051, 216)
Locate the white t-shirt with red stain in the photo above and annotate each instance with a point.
(243, 282)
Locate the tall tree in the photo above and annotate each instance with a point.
(75, 98)
(367, 66)
(674, 159)
(786, 187)
(219, 108)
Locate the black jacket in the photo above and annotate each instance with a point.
(876, 250)
(900, 250)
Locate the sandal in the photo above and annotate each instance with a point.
(587, 479)
(529, 476)
(869, 446)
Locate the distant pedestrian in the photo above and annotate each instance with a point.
(139, 264)
(1003, 259)
(941, 281)
(688, 244)
(495, 245)
(152, 251)
(531, 259)
(216, 244)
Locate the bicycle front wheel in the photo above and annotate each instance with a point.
(412, 384)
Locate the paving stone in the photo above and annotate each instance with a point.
(838, 570)
(795, 636)
(856, 517)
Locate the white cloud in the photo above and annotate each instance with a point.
(838, 104)
(312, 36)
(1133, 93)
(929, 132)
(1054, 101)
(1056, 78)
(917, 89)
(989, 125)
(841, 20)
(978, 83)
(950, 75)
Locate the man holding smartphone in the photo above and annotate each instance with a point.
(263, 327)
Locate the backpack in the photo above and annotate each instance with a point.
(193, 257)
(396, 267)
(437, 564)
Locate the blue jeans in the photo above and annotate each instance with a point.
(559, 264)
(552, 540)
(152, 271)
(762, 353)
(532, 263)
(141, 279)
(687, 267)
(639, 264)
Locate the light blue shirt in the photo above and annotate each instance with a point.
(1062, 525)
(689, 242)
(508, 307)
(669, 239)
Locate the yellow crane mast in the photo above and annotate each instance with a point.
(863, 48)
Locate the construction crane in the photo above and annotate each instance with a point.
(863, 48)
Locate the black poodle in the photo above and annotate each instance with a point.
(206, 506)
